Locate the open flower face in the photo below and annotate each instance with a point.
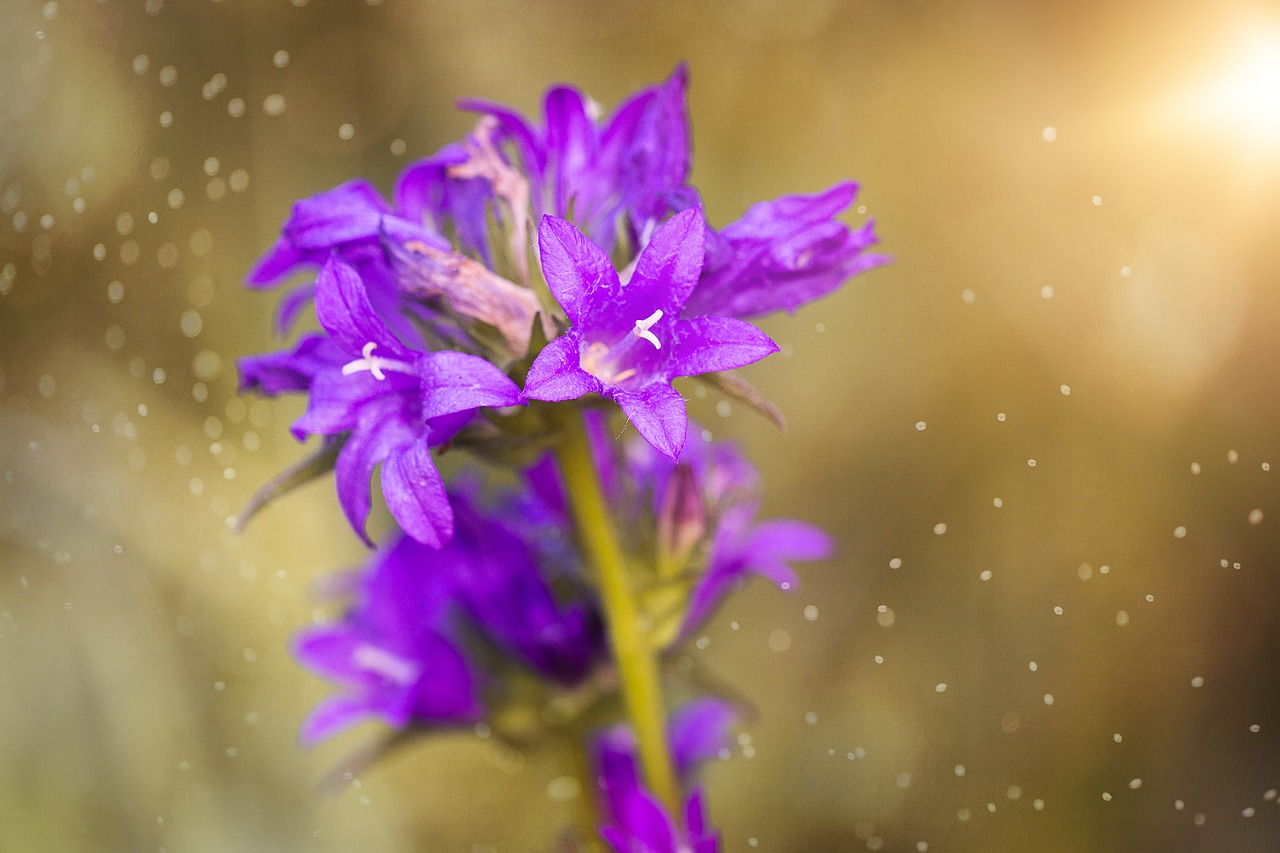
(628, 341)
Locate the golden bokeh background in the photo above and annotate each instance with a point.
(1043, 436)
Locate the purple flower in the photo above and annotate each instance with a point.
(493, 569)
(741, 548)
(636, 821)
(782, 254)
(349, 221)
(628, 341)
(633, 165)
(396, 404)
(392, 653)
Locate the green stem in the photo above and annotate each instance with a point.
(636, 660)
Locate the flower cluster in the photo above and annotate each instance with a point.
(519, 284)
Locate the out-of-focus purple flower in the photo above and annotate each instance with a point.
(403, 650)
(634, 164)
(635, 821)
(494, 573)
(396, 404)
(629, 341)
(741, 548)
(782, 254)
(392, 652)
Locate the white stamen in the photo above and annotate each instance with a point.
(375, 365)
(384, 663)
(643, 326)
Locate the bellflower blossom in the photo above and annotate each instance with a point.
(783, 254)
(392, 653)
(406, 654)
(635, 821)
(630, 170)
(628, 341)
(394, 404)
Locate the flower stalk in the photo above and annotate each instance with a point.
(634, 655)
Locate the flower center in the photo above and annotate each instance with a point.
(604, 362)
(376, 364)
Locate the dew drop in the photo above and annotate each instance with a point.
(280, 58)
(1046, 292)
(1049, 134)
(273, 105)
(191, 324)
(1255, 517)
(346, 131)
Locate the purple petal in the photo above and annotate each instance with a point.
(336, 403)
(556, 374)
(415, 494)
(291, 305)
(672, 261)
(699, 731)
(658, 413)
(290, 370)
(573, 266)
(517, 128)
(280, 260)
(455, 382)
(425, 192)
(348, 212)
(570, 144)
(382, 430)
(344, 310)
(782, 254)
(708, 344)
(333, 715)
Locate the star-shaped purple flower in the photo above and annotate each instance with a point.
(628, 341)
(396, 404)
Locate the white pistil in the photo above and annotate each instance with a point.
(643, 326)
(602, 361)
(376, 365)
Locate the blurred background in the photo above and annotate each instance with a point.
(1043, 436)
